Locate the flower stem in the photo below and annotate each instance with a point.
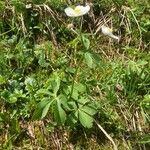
(75, 76)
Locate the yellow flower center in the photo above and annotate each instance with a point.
(110, 30)
(77, 10)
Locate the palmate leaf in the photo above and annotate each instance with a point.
(86, 113)
(42, 109)
(85, 119)
(67, 105)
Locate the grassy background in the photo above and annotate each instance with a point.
(39, 57)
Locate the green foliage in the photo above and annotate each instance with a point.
(85, 41)
(68, 78)
(88, 59)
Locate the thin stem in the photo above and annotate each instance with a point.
(107, 135)
(76, 71)
(81, 20)
(74, 78)
(7, 31)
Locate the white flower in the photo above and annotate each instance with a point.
(107, 31)
(28, 6)
(77, 11)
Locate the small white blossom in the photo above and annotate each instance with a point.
(107, 31)
(77, 11)
(28, 6)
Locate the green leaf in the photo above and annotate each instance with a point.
(19, 93)
(70, 70)
(97, 59)
(88, 59)
(142, 62)
(86, 42)
(74, 42)
(67, 105)
(59, 113)
(30, 84)
(2, 80)
(55, 83)
(42, 109)
(145, 139)
(89, 109)
(80, 87)
(5, 94)
(72, 118)
(2, 6)
(12, 99)
(85, 119)
(43, 92)
(75, 94)
(72, 105)
(83, 100)
(42, 60)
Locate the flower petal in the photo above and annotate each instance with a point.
(69, 12)
(83, 10)
(86, 8)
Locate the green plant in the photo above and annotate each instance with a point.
(64, 84)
